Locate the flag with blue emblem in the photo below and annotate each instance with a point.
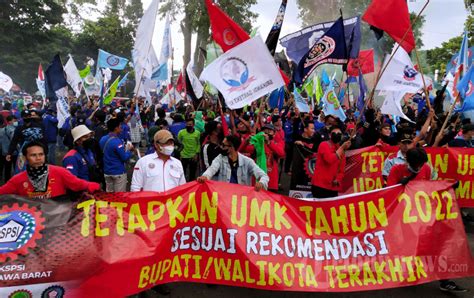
(466, 90)
(107, 60)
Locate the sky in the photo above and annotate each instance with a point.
(444, 20)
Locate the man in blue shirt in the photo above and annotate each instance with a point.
(50, 123)
(115, 157)
(80, 159)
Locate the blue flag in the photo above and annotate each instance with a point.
(54, 79)
(300, 102)
(297, 44)
(277, 98)
(161, 73)
(362, 92)
(107, 60)
(331, 104)
(325, 78)
(122, 81)
(452, 65)
(330, 48)
(466, 90)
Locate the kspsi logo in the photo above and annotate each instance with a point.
(20, 227)
(235, 73)
(409, 73)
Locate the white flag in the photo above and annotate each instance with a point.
(72, 76)
(392, 106)
(144, 56)
(244, 73)
(171, 96)
(62, 108)
(198, 88)
(6, 82)
(400, 74)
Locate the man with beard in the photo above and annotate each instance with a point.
(31, 130)
(43, 181)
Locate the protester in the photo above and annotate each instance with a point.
(466, 140)
(330, 165)
(190, 138)
(274, 150)
(233, 167)
(50, 123)
(6, 136)
(158, 171)
(43, 181)
(116, 154)
(415, 168)
(211, 147)
(81, 161)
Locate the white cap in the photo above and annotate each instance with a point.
(79, 131)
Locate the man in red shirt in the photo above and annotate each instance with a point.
(43, 181)
(330, 163)
(274, 150)
(416, 168)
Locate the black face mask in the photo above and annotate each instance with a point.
(189, 128)
(88, 144)
(270, 137)
(224, 152)
(336, 137)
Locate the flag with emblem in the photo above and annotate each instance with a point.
(330, 48)
(107, 60)
(466, 90)
(244, 74)
(331, 105)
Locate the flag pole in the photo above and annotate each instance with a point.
(453, 105)
(428, 103)
(391, 57)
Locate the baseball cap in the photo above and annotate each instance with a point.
(406, 137)
(163, 136)
(269, 126)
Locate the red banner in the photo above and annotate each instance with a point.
(364, 169)
(113, 245)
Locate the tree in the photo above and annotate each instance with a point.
(439, 57)
(30, 33)
(196, 20)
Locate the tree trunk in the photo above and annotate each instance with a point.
(187, 34)
(199, 55)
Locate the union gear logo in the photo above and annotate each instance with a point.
(20, 227)
(235, 73)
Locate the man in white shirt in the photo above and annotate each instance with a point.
(158, 171)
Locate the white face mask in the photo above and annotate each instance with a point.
(167, 150)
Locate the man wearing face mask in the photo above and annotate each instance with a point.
(81, 161)
(6, 135)
(274, 150)
(330, 163)
(191, 140)
(158, 171)
(415, 168)
(233, 167)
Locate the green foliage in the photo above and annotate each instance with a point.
(439, 57)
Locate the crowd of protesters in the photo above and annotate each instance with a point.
(132, 146)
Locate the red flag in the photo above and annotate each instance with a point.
(392, 16)
(180, 84)
(227, 33)
(365, 62)
(40, 73)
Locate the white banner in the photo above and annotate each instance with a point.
(62, 108)
(400, 74)
(6, 82)
(392, 105)
(244, 74)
